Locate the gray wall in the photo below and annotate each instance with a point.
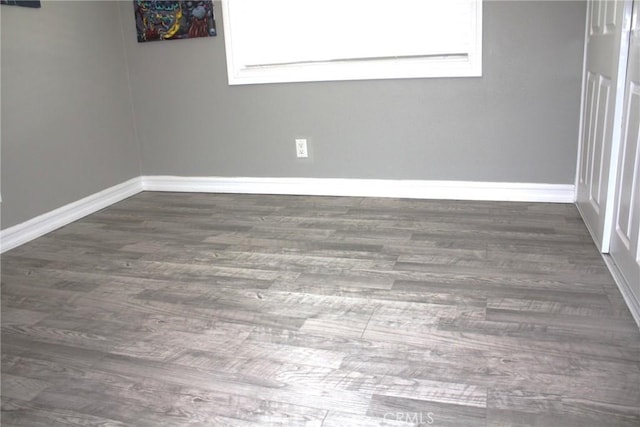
(518, 123)
(68, 127)
(67, 124)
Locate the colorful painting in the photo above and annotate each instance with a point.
(25, 3)
(167, 20)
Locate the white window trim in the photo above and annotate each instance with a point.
(469, 65)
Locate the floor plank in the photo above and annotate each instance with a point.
(244, 310)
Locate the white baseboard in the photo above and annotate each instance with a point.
(414, 189)
(625, 289)
(45, 223)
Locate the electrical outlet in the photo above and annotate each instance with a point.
(301, 149)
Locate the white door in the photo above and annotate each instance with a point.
(625, 236)
(605, 62)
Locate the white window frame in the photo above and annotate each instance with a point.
(391, 67)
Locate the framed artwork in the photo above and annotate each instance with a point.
(167, 20)
(25, 3)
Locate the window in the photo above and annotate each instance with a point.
(316, 40)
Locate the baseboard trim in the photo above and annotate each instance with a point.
(414, 189)
(45, 223)
(625, 289)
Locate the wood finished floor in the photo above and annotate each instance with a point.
(239, 310)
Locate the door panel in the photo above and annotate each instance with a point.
(588, 125)
(598, 156)
(599, 110)
(611, 9)
(625, 239)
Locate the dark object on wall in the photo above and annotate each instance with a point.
(166, 20)
(25, 3)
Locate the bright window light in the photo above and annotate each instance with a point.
(313, 40)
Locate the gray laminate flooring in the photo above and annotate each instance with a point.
(240, 310)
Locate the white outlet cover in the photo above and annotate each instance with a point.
(301, 148)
